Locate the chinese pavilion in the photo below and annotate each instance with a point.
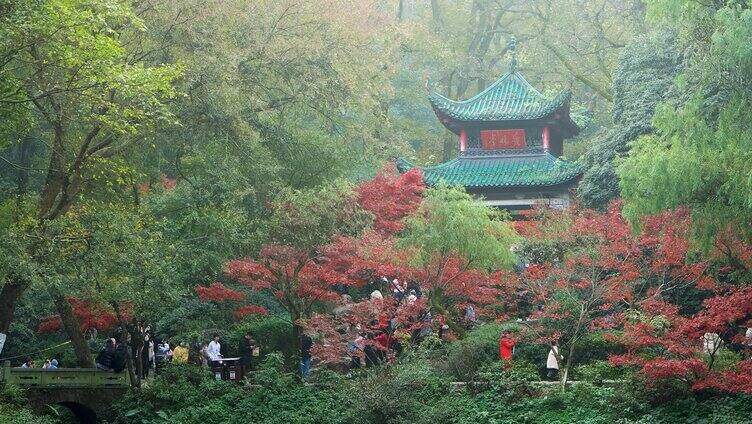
(510, 144)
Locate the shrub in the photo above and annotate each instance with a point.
(12, 394)
(510, 382)
(271, 372)
(396, 393)
(13, 407)
(182, 393)
(593, 347)
(465, 357)
(19, 415)
(534, 354)
(408, 391)
(172, 373)
(598, 371)
(582, 404)
(585, 403)
(273, 334)
(726, 409)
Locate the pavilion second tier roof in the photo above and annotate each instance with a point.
(510, 98)
(508, 171)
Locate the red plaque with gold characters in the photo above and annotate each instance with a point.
(503, 139)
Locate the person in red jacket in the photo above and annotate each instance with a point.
(382, 345)
(506, 347)
(383, 341)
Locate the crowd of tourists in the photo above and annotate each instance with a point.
(214, 353)
(380, 340)
(383, 339)
(370, 348)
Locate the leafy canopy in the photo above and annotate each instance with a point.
(451, 222)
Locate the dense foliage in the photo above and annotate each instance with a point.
(410, 391)
(226, 167)
(699, 156)
(644, 78)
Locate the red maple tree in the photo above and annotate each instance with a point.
(605, 273)
(218, 292)
(391, 197)
(302, 278)
(452, 286)
(666, 345)
(90, 316)
(296, 279)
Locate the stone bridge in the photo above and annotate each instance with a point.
(88, 393)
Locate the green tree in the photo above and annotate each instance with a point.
(457, 242)
(644, 78)
(66, 61)
(699, 157)
(281, 93)
(123, 263)
(693, 164)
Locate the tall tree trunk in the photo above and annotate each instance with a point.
(563, 379)
(9, 296)
(55, 176)
(567, 366)
(297, 331)
(139, 361)
(73, 329)
(136, 196)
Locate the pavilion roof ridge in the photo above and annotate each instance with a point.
(510, 98)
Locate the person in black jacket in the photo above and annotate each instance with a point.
(105, 356)
(245, 351)
(306, 343)
(119, 358)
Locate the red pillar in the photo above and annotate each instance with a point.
(463, 140)
(546, 138)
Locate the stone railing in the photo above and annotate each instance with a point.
(481, 385)
(476, 152)
(62, 377)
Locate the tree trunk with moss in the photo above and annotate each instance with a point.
(73, 329)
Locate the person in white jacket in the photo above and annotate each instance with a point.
(213, 351)
(552, 364)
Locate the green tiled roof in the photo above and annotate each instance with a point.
(510, 98)
(533, 170)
